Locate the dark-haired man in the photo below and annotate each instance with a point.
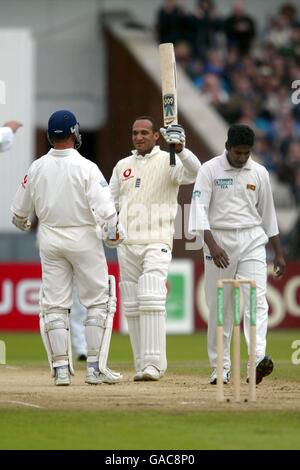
(233, 210)
(145, 189)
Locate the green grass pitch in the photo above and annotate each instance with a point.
(153, 429)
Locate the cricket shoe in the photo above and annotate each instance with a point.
(62, 376)
(264, 367)
(107, 376)
(138, 376)
(213, 376)
(150, 373)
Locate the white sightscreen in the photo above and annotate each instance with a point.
(16, 103)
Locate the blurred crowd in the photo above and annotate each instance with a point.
(246, 72)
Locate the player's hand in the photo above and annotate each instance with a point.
(21, 223)
(113, 235)
(219, 256)
(279, 266)
(174, 134)
(14, 125)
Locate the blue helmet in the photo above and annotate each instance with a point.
(62, 124)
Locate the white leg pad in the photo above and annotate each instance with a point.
(132, 314)
(55, 332)
(152, 298)
(95, 325)
(110, 375)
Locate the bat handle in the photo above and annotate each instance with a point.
(172, 155)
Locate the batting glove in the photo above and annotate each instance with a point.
(113, 235)
(173, 134)
(21, 223)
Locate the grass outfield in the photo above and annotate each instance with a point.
(152, 429)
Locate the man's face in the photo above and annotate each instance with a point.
(143, 137)
(238, 155)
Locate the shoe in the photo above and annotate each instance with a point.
(95, 377)
(138, 376)
(213, 376)
(150, 373)
(92, 376)
(81, 357)
(264, 367)
(62, 376)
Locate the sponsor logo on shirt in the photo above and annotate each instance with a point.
(196, 194)
(138, 182)
(208, 257)
(251, 186)
(224, 183)
(103, 183)
(24, 182)
(127, 174)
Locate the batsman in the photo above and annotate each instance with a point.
(145, 189)
(72, 202)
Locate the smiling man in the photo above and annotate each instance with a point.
(145, 189)
(233, 211)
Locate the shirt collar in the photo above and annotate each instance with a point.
(227, 167)
(153, 152)
(62, 153)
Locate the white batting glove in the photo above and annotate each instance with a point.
(113, 235)
(22, 223)
(174, 134)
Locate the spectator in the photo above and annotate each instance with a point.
(239, 29)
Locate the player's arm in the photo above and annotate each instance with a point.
(199, 221)
(100, 198)
(22, 205)
(266, 210)
(115, 188)
(103, 207)
(187, 164)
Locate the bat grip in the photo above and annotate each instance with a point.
(172, 155)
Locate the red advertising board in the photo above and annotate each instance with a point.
(283, 298)
(20, 284)
(19, 296)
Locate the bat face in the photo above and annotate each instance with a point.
(168, 83)
(169, 109)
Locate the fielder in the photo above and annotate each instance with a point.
(70, 195)
(145, 190)
(7, 134)
(233, 210)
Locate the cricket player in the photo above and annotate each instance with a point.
(7, 134)
(70, 196)
(145, 189)
(233, 210)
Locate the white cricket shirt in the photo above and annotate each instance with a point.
(225, 197)
(145, 190)
(65, 190)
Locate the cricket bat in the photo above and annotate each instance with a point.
(169, 89)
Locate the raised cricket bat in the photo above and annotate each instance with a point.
(169, 89)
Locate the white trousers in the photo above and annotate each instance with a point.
(67, 253)
(247, 256)
(143, 272)
(135, 260)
